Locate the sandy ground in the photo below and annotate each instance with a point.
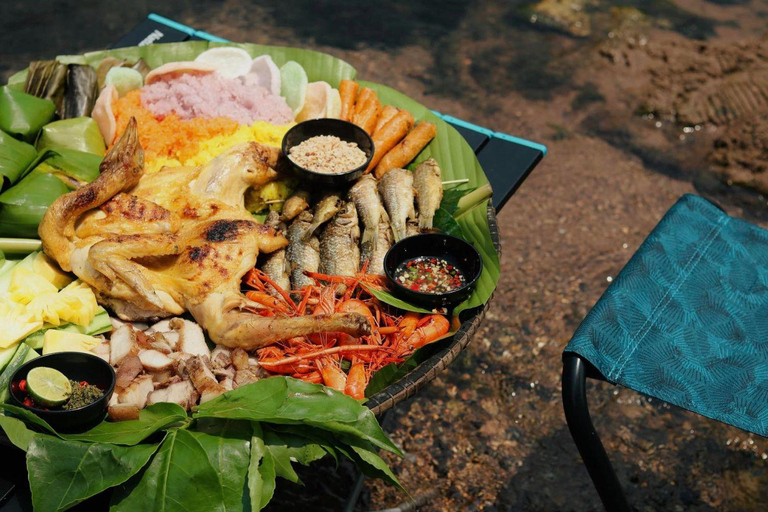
(603, 85)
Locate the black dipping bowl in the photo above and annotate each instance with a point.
(455, 251)
(76, 366)
(344, 130)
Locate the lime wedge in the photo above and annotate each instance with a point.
(48, 387)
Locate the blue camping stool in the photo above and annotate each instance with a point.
(686, 321)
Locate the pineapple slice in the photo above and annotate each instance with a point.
(16, 324)
(48, 269)
(26, 285)
(64, 341)
(46, 307)
(79, 304)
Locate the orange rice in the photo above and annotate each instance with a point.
(170, 138)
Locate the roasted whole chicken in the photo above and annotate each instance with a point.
(157, 245)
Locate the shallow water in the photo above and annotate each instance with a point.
(489, 434)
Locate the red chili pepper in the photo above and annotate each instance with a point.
(23, 385)
(83, 383)
(28, 402)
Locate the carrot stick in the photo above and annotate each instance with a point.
(399, 156)
(388, 137)
(348, 93)
(387, 113)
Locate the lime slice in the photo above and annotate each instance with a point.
(293, 85)
(48, 387)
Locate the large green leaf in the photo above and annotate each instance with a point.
(79, 133)
(28, 417)
(227, 444)
(151, 419)
(17, 432)
(287, 400)
(23, 114)
(22, 206)
(180, 478)
(261, 472)
(15, 157)
(64, 473)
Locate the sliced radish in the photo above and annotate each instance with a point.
(229, 62)
(334, 104)
(316, 102)
(267, 74)
(173, 69)
(293, 85)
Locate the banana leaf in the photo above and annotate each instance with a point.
(15, 157)
(17, 81)
(47, 79)
(22, 114)
(81, 91)
(80, 134)
(22, 206)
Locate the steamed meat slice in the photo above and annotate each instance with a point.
(193, 340)
(163, 331)
(130, 367)
(103, 351)
(122, 343)
(240, 359)
(123, 412)
(164, 378)
(182, 393)
(137, 392)
(155, 361)
(243, 377)
(221, 357)
(203, 379)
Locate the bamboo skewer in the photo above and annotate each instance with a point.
(452, 182)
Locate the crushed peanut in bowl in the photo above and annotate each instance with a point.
(328, 154)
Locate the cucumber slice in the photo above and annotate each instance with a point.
(6, 355)
(293, 85)
(19, 358)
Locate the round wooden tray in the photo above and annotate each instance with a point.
(428, 370)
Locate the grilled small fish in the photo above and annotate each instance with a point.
(428, 182)
(303, 253)
(275, 264)
(396, 188)
(324, 211)
(412, 226)
(384, 242)
(339, 252)
(369, 210)
(294, 205)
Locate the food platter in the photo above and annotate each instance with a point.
(473, 221)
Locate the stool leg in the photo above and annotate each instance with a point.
(587, 441)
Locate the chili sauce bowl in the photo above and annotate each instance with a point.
(455, 251)
(345, 131)
(77, 366)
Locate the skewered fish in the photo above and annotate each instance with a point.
(369, 211)
(303, 254)
(324, 211)
(428, 183)
(339, 252)
(396, 188)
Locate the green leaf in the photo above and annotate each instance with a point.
(227, 444)
(284, 400)
(261, 472)
(22, 206)
(445, 222)
(370, 464)
(394, 372)
(17, 432)
(22, 114)
(15, 156)
(75, 164)
(286, 447)
(180, 478)
(64, 473)
(28, 417)
(388, 298)
(79, 134)
(151, 419)
(451, 198)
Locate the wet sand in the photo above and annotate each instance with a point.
(603, 86)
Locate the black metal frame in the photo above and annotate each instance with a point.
(575, 372)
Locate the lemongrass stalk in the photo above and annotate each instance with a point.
(454, 182)
(474, 198)
(19, 245)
